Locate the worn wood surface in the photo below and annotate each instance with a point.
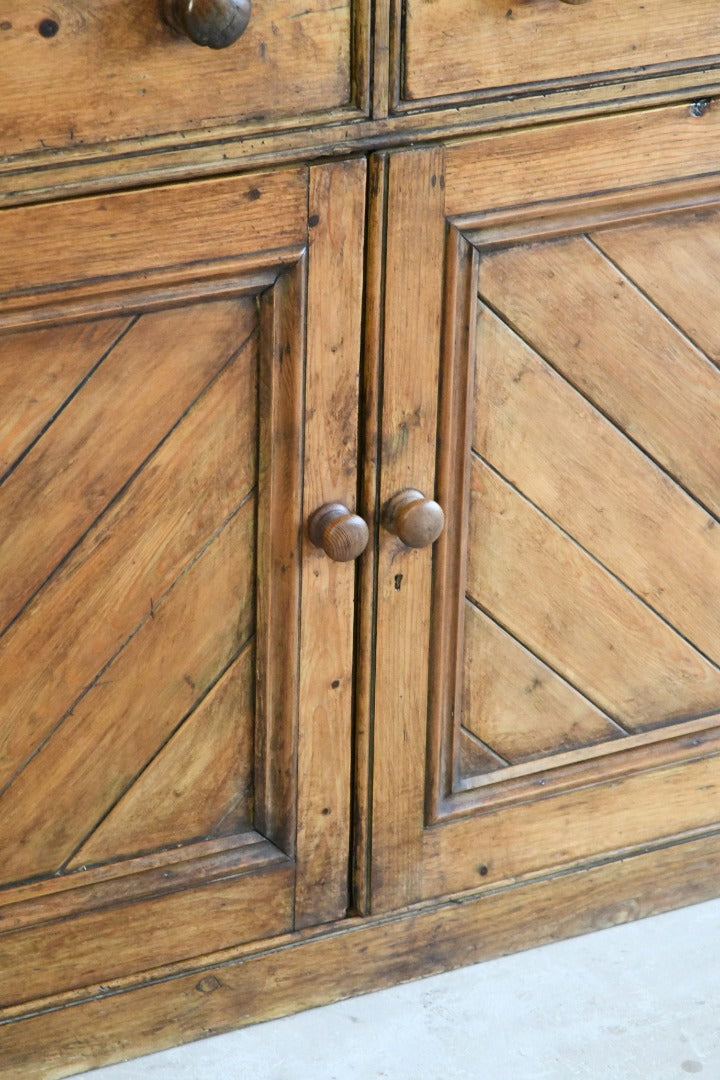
(337, 213)
(408, 428)
(59, 71)
(507, 45)
(302, 971)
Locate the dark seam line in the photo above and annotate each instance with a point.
(183, 720)
(71, 396)
(485, 746)
(69, 711)
(518, 640)
(123, 488)
(664, 469)
(597, 561)
(596, 244)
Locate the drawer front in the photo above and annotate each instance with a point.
(99, 71)
(468, 46)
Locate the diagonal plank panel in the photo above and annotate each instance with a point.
(129, 559)
(200, 780)
(516, 704)
(581, 315)
(473, 758)
(583, 473)
(38, 370)
(132, 709)
(676, 261)
(146, 383)
(564, 607)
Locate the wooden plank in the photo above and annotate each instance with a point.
(472, 757)
(595, 821)
(200, 783)
(292, 60)
(556, 43)
(675, 260)
(95, 446)
(241, 216)
(581, 471)
(39, 370)
(361, 955)
(564, 607)
(414, 268)
(132, 709)
(128, 938)
(580, 157)
(516, 704)
(337, 206)
(106, 588)
(630, 362)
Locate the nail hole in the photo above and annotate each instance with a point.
(48, 28)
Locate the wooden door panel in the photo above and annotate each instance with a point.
(566, 707)
(161, 786)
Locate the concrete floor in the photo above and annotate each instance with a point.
(637, 1002)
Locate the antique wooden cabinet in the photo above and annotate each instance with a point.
(446, 274)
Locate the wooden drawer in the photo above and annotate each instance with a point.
(463, 47)
(76, 74)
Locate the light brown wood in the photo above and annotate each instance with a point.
(613, 791)
(75, 471)
(291, 60)
(198, 785)
(337, 213)
(652, 382)
(39, 371)
(690, 244)
(110, 582)
(496, 45)
(518, 706)
(304, 970)
(219, 744)
(580, 470)
(408, 427)
(243, 217)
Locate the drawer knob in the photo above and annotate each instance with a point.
(342, 535)
(215, 23)
(411, 517)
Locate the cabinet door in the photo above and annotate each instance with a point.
(547, 680)
(174, 726)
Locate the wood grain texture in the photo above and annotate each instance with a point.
(290, 60)
(199, 784)
(415, 242)
(690, 244)
(337, 208)
(98, 442)
(140, 546)
(517, 705)
(556, 41)
(538, 834)
(242, 216)
(38, 372)
(132, 937)
(580, 158)
(580, 470)
(630, 361)
(535, 581)
(132, 708)
(298, 972)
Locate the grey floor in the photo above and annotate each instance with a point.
(637, 1001)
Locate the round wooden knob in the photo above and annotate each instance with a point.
(215, 23)
(415, 520)
(342, 535)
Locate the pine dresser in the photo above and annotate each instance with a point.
(359, 498)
